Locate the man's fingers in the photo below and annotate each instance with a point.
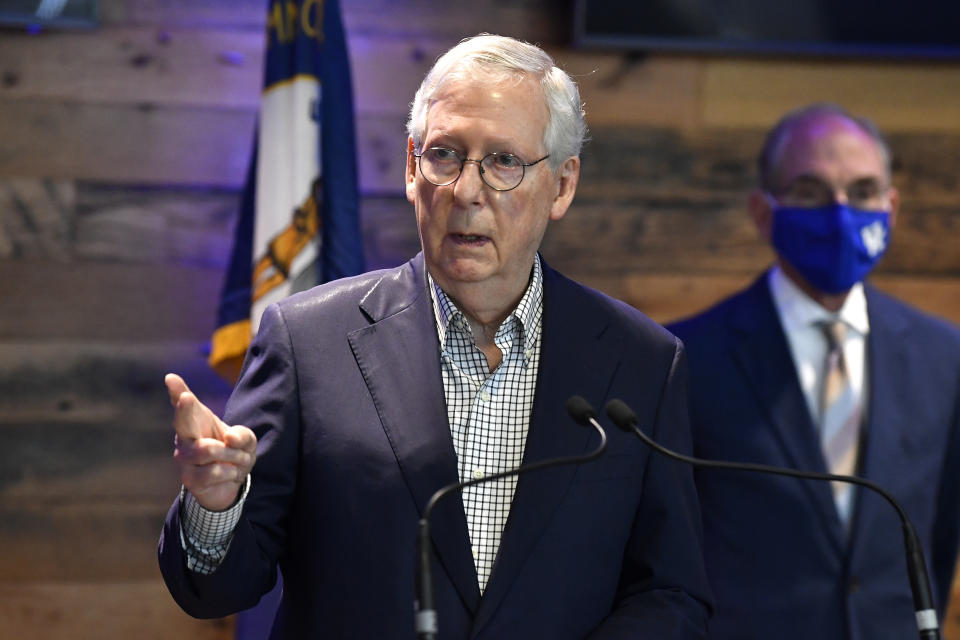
(240, 437)
(175, 387)
(193, 420)
(214, 459)
(188, 418)
(209, 451)
(209, 477)
(213, 471)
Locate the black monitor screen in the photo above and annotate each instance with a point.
(871, 27)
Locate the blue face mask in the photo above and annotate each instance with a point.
(833, 247)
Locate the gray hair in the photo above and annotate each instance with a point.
(499, 58)
(770, 155)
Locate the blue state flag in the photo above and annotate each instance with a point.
(299, 216)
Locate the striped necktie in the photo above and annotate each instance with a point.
(840, 413)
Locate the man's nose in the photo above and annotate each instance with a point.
(840, 197)
(470, 184)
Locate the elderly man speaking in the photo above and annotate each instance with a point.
(362, 397)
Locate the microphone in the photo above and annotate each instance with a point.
(625, 418)
(425, 613)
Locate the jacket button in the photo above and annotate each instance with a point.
(853, 585)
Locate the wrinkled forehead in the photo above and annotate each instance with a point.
(829, 147)
(511, 105)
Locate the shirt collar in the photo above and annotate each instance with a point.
(799, 311)
(527, 312)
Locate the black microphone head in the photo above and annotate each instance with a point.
(580, 410)
(622, 415)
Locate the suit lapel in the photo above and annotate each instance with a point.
(398, 357)
(575, 358)
(889, 402)
(764, 355)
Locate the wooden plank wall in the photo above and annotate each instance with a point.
(122, 150)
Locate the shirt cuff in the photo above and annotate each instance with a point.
(205, 535)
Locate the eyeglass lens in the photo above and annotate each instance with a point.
(810, 192)
(501, 171)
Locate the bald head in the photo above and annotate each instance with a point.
(809, 130)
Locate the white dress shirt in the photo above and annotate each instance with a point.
(800, 317)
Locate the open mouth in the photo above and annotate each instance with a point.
(468, 238)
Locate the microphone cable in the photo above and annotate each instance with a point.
(425, 613)
(626, 419)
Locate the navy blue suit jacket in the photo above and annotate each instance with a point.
(777, 557)
(343, 388)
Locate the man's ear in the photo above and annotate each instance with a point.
(567, 177)
(411, 172)
(761, 212)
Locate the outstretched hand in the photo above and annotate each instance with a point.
(214, 458)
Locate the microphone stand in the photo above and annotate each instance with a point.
(625, 418)
(425, 612)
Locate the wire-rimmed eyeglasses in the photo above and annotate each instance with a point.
(870, 192)
(499, 171)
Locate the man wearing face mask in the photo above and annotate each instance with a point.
(813, 369)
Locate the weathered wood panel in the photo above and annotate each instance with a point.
(86, 473)
(925, 169)
(98, 611)
(899, 96)
(182, 227)
(149, 145)
(623, 89)
(657, 234)
(105, 263)
(86, 540)
(218, 68)
(104, 301)
(60, 383)
(35, 217)
(124, 143)
(61, 220)
(238, 14)
(111, 388)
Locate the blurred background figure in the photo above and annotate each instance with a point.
(812, 368)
